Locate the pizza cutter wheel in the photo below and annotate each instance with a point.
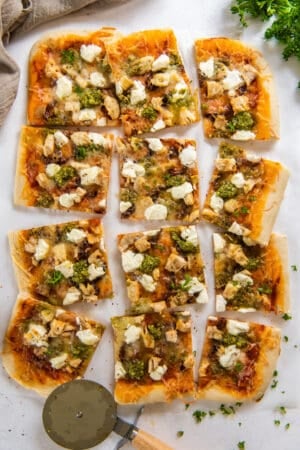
(80, 414)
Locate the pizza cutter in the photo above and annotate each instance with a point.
(80, 414)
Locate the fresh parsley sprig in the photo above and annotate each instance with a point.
(284, 27)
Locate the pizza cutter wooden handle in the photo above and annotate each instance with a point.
(145, 441)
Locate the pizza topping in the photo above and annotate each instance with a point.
(189, 234)
(171, 336)
(72, 296)
(156, 212)
(216, 202)
(76, 235)
(207, 68)
(41, 250)
(243, 278)
(155, 144)
(60, 139)
(238, 180)
(87, 336)
(137, 93)
(219, 243)
(160, 63)
(120, 371)
(181, 191)
(131, 261)
(132, 170)
(124, 206)
(52, 169)
(147, 282)
(232, 80)
(236, 327)
(90, 175)
(243, 135)
(237, 229)
(132, 334)
(220, 303)
(158, 125)
(229, 357)
(95, 272)
(157, 373)
(64, 87)
(90, 52)
(66, 268)
(59, 361)
(188, 156)
(36, 335)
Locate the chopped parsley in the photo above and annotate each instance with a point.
(282, 410)
(286, 316)
(187, 405)
(211, 413)
(54, 277)
(264, 289)
(180, 433)
(277, 422)
(285, 338)
(287, 426)
(227, 410)
(274, 384)
(199, 415)
(294, 267)
(275, 373)
(241, 445)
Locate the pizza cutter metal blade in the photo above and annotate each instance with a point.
(80, 414)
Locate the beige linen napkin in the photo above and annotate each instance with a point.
(20, 16)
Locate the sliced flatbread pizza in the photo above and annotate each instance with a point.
(163, 268)
(70, 81)
(238, 360)
(245, 193)
(153, 357)
(250, 277)
(151, 83)
(46, 346)
(63, 169)
(62, 264)
(238, 99)
(159, 179)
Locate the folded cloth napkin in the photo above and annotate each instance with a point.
(20, 16)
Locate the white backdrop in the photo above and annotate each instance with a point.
(20, 410)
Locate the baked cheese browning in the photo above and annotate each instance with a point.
(70, 81)
(163, 268)
(238, 359)
(153, 357)
(63, 169)
(245, 193)
(62, 264)
(45, 346)
(238, 99)
(151, 83)
(158, 179)
(251, 277)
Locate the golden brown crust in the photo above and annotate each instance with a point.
(250, 206)
(258, 374)
(35, 186)
(131, 59)
(171, 164)
(32, 274)
(29, 364)
(176, 379)
(260, 91)
(46, 66)
(265, 268)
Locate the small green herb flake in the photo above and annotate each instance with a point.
(180, 433)
(275, 373)
(287, 426)
(238, 404)
(241, 445)
(227, 410)
(277, 422)
(286, 316)
(212, 413)
(294, 268)
(282, 410)
(199, 415)
(274, 384)
(240, 424)
(285, 338)
(187, 405)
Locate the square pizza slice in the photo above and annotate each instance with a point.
(153, 357)
(62, 264)
(70, 80)
(159, 179)
(245, 193)
(238, 360)
(45, 346)
(238, 99)
(163, 268)
(151, 82)
(251, 277)
(63, 169)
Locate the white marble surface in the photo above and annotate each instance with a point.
(20, 424)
